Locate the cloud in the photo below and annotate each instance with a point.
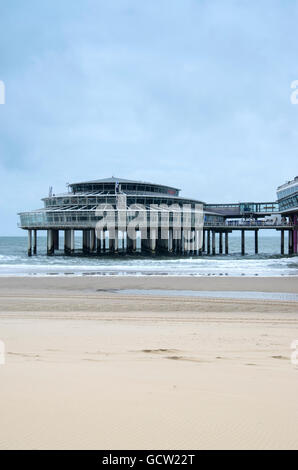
(195, 94)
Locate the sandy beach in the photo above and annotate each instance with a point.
(88, 367)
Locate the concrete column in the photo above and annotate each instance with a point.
(68, 241)
(290, 242)
(178, 235)
(200, 241)
(92, 240)
(72, 240)
(193, 242)
(158, 240)
(208, 242)
(242, 242)
(98, 241)
(153, 241)
(50, 242)
(65, 241)
(226, 243)
(196, 242)
(182, 242)
(34, 242)
(129, 243)
(104, 241)
(145, 241)
(220, 243)
(83, 241)
(165, 241)
(282, 242)
(116, 241)
(170, 240)
(111, 242)
(213, 242)
(256, 242)
(56, 239)
(29, 242)
(134, 243)
(174, 243)
(188, 242)
(179, 243)
(86, 241)
(121, 241)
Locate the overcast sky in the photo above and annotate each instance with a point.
(190, 93)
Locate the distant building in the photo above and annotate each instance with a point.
(287, 196)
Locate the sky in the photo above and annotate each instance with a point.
(190, 93)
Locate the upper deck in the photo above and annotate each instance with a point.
(244, 209)
(116, 185)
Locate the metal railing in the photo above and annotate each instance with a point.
(254, 223)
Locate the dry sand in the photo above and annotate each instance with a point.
(90, 368)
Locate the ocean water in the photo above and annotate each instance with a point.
(15, 262)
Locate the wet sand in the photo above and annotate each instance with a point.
(87, 367)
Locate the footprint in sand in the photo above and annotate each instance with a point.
(160, 350)
(188, 359)
(30, 355)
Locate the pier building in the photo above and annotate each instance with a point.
(287, 196)
(89, 206)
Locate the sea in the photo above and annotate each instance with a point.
(15, 262)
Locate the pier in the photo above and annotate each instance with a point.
(215, 241)
(151, 219)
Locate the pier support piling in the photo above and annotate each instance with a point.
(72, 240)
(34, 242)
(256, 242)
(29, 242)
(104, 241)
(242, 242)
(68, 241)
(220, 243)
(129, 243)
(208, 242)
(213, 242)
(152, 238)
(226, 243)
(98, 240)
(86, 241)
(282, 242)
(290, 239)
(92, 240)
(116, 241)
(170, 245)
(56, 239)
(50, 242)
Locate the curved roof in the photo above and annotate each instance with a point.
(113, 179)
